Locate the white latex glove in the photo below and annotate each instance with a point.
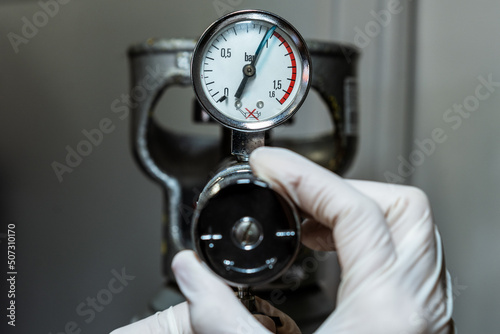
(393, 275)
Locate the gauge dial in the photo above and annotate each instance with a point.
(250, 70)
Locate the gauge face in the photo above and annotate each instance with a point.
(250, 70)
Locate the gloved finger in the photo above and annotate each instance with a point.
(287, 326)
(359, 229)
(317, 236)
(213, 307)
(417, 241)
(406, 209)
(174, 320)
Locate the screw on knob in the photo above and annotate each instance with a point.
(247, 233)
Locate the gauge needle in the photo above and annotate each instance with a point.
(249, 69)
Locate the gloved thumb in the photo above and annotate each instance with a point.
(213, 306)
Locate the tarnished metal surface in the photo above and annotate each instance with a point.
(244, 143)
(155, 66)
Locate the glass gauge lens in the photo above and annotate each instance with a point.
(250, 70)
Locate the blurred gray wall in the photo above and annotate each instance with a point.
(74, 236)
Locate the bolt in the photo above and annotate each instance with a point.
(247, 233)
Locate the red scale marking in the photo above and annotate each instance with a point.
(294, 64)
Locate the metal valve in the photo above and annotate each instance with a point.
(244, 231)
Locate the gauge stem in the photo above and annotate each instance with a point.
(244, 143)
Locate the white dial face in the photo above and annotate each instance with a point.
(251, 71)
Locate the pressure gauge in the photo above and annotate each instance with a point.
(251, 70)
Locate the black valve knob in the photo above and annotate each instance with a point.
(243, 230)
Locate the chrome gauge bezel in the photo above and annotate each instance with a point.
(217, 28)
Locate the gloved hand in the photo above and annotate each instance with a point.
(393, 275)
(211, 307)
(394, 278)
